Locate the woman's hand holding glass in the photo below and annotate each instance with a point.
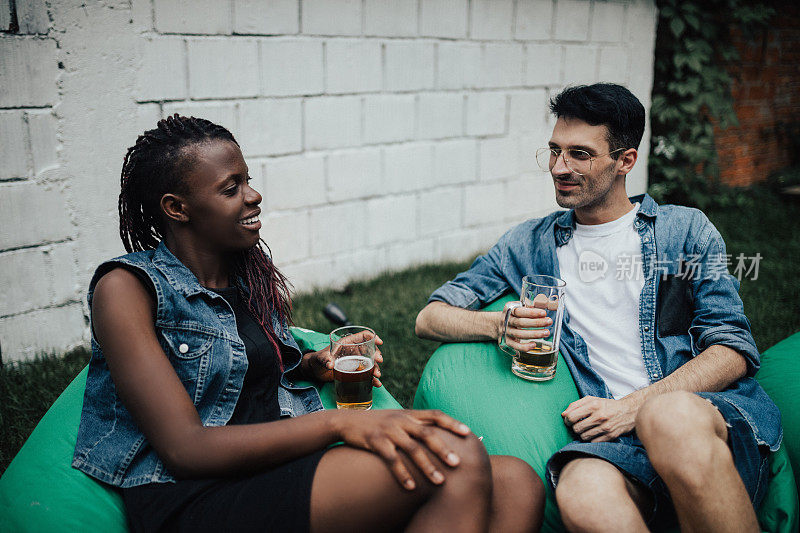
(319, 365)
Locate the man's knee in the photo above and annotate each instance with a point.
(586, 485)
(684, 435)
(677, 416)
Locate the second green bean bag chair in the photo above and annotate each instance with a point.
(473, 383)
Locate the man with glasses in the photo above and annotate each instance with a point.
(670, 425)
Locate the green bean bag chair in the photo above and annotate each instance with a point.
(472, 382)
(41, 492)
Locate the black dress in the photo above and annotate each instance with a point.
(277, 499)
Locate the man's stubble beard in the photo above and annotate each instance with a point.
(585, 197)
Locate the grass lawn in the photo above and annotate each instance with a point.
(389, 305)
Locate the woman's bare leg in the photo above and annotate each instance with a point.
(353, 490)
(517, 496)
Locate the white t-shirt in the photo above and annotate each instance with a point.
(602, 265)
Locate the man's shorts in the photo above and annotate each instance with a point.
(628, 454)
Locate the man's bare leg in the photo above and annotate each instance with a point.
(594, 495)
(687, 442)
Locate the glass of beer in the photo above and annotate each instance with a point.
(538, 362)
(353, 351)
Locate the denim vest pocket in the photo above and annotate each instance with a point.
(189, 352)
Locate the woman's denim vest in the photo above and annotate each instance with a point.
(196, 329)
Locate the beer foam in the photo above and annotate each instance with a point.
(353, 364)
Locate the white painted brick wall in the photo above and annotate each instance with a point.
(337, 228)
(257, 17)
(441, 115)
(42, 133)
(33, 67)
(392, 219)
(354, 174)
(572, 20)
(388, 118)
(5, 14)
(393, 18)
(486, 113)
(293, 181)
(32, 16)
(12, 149)
(440, 211)
(580, 63)
(53, 329)
(223, 68)
(353, 66)
(407, 167)
(270, 127)
(534, 19)
(287, 235)
(332, 122)
(501, 65)
(606, 21)
(32, 214)
(544, 63)
(332, 17)
(454, 162)
(491, 19)
(458, 65)
(162, 75)
(499, 158)
(381, 133)
(409, 66)
(26, 280)
(484, 203)
(192, 16)
(444, 18)
(291, 67)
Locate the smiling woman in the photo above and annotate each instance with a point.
(191, 405)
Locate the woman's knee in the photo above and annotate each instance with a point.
(516, 474)
(474, 468)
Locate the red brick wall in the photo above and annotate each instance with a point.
(766, 93)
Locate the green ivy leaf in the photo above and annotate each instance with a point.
(677, 26)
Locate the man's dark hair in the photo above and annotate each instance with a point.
(606, 104)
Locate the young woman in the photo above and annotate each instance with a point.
(190, 405)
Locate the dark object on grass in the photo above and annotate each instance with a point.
(335, 314)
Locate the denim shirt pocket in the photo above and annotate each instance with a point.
(675, 306)
(189, 350)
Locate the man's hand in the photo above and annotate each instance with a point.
(525, 324)
(600, 419)
(318, 366)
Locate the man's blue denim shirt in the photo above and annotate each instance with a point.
(681, 248)
(197, 330)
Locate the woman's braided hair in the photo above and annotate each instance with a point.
(155, 166)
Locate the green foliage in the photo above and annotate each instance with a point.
(691, 92)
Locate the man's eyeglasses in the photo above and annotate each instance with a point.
(577, 160)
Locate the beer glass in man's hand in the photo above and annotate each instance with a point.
(353, 352)
(536, 340)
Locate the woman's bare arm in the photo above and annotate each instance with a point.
(124, 327)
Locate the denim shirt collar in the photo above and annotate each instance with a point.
(565, 222)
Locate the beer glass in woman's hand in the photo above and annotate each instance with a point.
(353, 352)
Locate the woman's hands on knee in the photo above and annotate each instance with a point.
(387, 432)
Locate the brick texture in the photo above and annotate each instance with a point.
(766, 93)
